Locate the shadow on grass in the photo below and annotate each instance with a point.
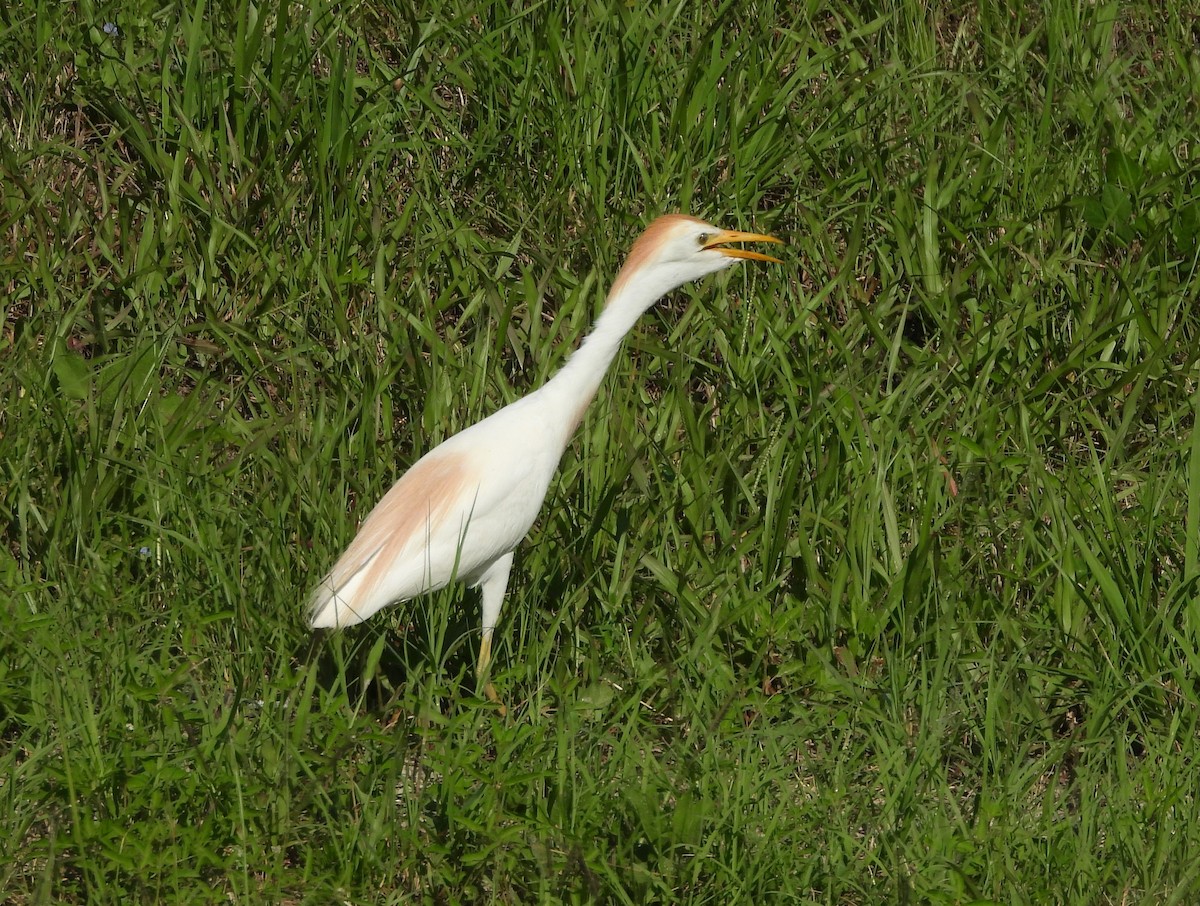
(379, 665)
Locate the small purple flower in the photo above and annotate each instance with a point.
(110, 28)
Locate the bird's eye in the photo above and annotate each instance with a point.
(703, 238)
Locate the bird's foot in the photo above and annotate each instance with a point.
(489, 692)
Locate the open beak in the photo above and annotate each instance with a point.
(727, 236)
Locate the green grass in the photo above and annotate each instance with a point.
(870, 578)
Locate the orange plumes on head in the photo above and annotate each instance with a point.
(645, 246)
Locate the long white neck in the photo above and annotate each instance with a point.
(576, 383)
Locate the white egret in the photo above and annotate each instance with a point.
(464, 506)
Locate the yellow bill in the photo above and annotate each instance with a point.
(726, 236)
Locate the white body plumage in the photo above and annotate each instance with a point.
(461, 507)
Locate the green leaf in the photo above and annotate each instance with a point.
(1123, 169)
(73, 374)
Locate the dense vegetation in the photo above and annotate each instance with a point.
(869, 578)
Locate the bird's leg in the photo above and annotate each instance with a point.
(481, 672)
(491, 587)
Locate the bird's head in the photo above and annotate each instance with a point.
(676, 249)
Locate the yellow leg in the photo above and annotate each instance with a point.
(491, 587)
(481, 673)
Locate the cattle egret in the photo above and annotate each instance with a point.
(463, 508)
